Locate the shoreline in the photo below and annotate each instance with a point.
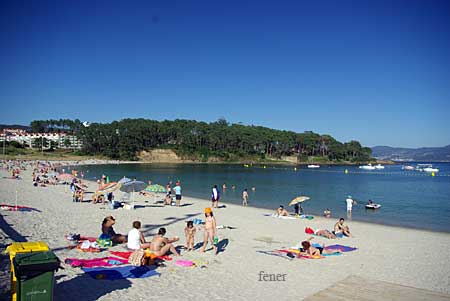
(106, 162)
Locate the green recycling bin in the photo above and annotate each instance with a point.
(35, 275)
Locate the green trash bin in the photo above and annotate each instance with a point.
(35, 275)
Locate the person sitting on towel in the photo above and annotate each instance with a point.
(107, 228)
(341, 229)
(160, 245)
(136, 239)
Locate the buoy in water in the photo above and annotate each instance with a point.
(433, 174)
(346, 171)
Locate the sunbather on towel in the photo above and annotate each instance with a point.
(309, 250)
(324, 233)
(160, 245)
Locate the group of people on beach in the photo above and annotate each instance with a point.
(160, 244)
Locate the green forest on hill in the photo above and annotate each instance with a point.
(197, 140)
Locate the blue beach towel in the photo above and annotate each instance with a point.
(118, 273)
(341, 248)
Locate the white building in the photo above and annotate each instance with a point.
(62, 140)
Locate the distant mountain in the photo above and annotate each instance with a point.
(14, 126)
(412, 154)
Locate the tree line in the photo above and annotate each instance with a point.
(124, 139)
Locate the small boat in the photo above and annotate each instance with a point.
(367, 167)
(408, 167)
(379, 166)
(426, 168)
(373, 206)
(430, 169)
(313, 166)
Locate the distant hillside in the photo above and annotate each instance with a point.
(412, 154)
(14, 126)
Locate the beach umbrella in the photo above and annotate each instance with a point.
(299, 199)
(155, 188)
(124, 180)
(109, 187)
(133, 186)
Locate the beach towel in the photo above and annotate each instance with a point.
(279, 216)
(126, 255)
(95, 262)
(7, 207)
(118, 273)
(340, 248)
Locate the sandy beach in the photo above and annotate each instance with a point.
(408, 257)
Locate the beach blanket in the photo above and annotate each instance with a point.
(118, 273)
(279, 216)
(126, 255)
(7, 207)
(340, 248)
(95, 262)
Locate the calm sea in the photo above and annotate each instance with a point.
(411, 199)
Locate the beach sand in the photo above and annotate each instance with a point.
(414, 258)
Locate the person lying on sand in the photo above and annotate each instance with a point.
(160, 245)
(281, 211)
(324, 233)
(341, 229)
(107, 229)
(309, 250)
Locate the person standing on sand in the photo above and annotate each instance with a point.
(177, 190)
(215, 196)
(244, 197)
(210, 230)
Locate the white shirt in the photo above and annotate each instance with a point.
(349, 204)
(214, 193)
(134, 240)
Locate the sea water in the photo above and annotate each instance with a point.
(408, 198)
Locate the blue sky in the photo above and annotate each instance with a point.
(375, 71)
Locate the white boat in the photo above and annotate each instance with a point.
(367, 167)
(379, 166)
(430, 169)
(426, 168)
(373, 206)
(313, 166)
(408, 167)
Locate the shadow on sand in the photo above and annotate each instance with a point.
(75, 288)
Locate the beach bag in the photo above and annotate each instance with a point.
(104, 243)
(137, 258)
(308, 230)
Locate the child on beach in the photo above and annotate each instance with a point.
(136, 239)
(210, 230)
(244, 197)
(189, 231)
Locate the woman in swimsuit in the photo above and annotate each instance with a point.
(309, 250)
(210, 230)
(160, 245)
